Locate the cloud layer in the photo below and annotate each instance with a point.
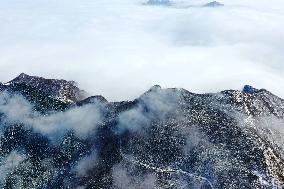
(119, 48)
(82, 120)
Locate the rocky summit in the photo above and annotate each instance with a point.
(54, 137)
(66, 91)
(214, 4)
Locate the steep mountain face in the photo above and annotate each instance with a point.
(166, 138)
(63, 90)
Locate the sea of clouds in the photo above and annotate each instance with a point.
(119, 48)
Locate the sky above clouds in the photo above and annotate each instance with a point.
(119, 48)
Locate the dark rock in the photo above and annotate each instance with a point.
(180, 139)
(92, 99)
(214, 4)
(63, 90)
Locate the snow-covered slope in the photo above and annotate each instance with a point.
(66, 91)
(166, 138)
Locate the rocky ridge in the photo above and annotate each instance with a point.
(166, 138)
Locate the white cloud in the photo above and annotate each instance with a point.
(86, 164)
(9, 163)
(119, 48)
(123, 179)
(82, 120)
(154, 104)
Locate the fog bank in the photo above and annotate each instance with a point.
(119, 48)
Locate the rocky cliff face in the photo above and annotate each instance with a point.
(63, 90)
(166, 138)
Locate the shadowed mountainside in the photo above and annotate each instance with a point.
(166, 138)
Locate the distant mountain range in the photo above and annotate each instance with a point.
(54, 136)
(213, 4)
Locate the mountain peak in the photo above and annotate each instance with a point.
(250, 89)
(158, 2)
(18, 79)
(214, 4)
(23, 75)
(66, 91)
(155, 87)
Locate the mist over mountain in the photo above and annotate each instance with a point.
(215, 121)
(165, 138)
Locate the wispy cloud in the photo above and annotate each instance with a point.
(82, 120)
